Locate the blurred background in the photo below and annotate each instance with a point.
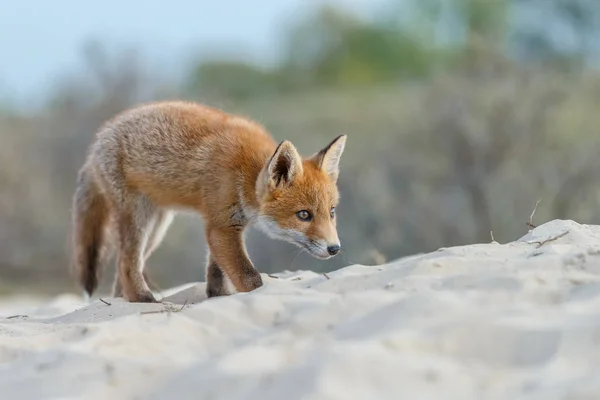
(460, 115)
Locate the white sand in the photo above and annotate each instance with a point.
(486, 321)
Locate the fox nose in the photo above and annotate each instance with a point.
(334, 249)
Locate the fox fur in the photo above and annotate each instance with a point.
(152, 160)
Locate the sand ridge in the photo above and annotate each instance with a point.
(485, 321)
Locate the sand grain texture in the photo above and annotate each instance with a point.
(486, 321)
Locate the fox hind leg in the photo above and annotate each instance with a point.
(158, 228)
(164, 219)
(118, 290)
(135, 222)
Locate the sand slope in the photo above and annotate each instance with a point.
(486, 321)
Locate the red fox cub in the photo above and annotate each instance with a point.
(154, 159)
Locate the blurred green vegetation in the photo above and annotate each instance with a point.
(461, 114)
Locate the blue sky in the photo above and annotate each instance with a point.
(41, 39)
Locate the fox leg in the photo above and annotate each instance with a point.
(159, 228)
(228, 256)
(161, 225)
(134, 223)
(215, 279)
(118, 290)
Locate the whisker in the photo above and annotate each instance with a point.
(298, 252)
(343, 254)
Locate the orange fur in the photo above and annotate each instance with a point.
(152, 160)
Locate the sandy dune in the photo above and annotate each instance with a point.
(487, 321)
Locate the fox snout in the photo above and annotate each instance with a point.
(333, 249)
(322, 249)
(327, 245)
(315, 243)
(328, 251)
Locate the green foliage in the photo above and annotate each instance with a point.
(233, 79)
(485, 18)
(412, 40)
(336, 49)
(330, 48)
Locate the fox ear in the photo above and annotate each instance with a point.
(284, 166)
(328, 159)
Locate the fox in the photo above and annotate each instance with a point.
(153, 160)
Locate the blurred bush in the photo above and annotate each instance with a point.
(461, 114)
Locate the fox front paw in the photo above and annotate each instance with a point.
(251, 280)
(215, 291)
(143, 297)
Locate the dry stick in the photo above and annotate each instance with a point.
(551, 239)
(18, 316)
(272, 276)
(530, 223)
(154, 312)
(165, 310)
(183, 306)
(326, 276)
(105, 302)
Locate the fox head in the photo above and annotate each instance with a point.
(298, 197)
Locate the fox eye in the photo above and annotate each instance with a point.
(304, 215)
(332, 212)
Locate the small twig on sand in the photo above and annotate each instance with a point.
(530, 222)
(105, 302)
(550, 239)
(165, 310)
(155, 312)
(297, 278)
(18, 316)
(326, 276)
(183, 306)
(272, 276)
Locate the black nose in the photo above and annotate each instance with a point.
(333, 250)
